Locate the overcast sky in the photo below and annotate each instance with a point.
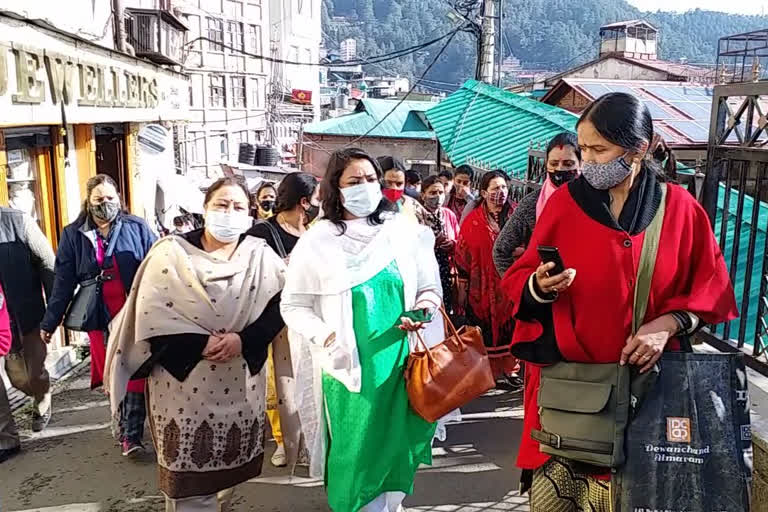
(736, 6)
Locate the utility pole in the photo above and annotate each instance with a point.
(487, 42)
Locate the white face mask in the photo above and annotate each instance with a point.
(362, 200)
(226, 227)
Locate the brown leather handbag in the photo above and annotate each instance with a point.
(450, 374)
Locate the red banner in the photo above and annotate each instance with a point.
(301, 97)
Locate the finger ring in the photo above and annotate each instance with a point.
(647, 356)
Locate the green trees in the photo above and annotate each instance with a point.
(546, 34)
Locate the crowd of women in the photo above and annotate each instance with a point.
(298, 316)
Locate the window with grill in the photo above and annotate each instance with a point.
(215, 34)
(216, 91)
(235, 35)
(237, 84)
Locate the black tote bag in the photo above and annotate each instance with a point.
(87, 311)
(689, 446)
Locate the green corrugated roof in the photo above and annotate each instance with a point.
(491, 125)
(753, 297)
(403, 123)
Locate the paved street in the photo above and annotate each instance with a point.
(75, 466)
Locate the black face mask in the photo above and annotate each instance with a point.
(267, 205)
(311, 213)
(561, 177)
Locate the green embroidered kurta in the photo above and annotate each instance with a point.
(376, 440)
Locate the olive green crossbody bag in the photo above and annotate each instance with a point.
(585, 408)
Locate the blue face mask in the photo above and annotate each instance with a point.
(608, 175)
(362, 200)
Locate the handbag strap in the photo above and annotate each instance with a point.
(275, 236)
(648, 263)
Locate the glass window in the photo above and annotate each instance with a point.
(24, 183)
(216, 91)
(215, 34)
(196, 147)
(220, 145)
(256, 99)
(237, 94)
(235, 36)
(254, 39)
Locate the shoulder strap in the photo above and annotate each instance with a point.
(275, 236)
(648, 263)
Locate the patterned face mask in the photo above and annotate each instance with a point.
(497, 197)
(608, 175)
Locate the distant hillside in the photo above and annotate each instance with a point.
(548, 34)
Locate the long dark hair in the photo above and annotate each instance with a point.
(622, 119)
(333, 208)
(228, 181)
(293, 189)
(564, 139)
(92, 183)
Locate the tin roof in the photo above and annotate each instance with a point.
(680, 111)
(490, 125)
(405, 122)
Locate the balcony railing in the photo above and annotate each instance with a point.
(155, 34)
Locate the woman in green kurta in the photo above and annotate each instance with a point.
(355, 474)
(350, 279)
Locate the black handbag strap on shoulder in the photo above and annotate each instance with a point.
(275, 236)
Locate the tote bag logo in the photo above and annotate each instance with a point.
(679, 430)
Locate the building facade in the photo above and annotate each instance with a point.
(227, 84)
(348, 50)
(73, 105)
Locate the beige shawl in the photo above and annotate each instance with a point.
(169, 297)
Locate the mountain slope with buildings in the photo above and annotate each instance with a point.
(543, 34)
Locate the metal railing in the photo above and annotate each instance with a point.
(735, 185)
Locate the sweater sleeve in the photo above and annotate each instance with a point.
(64, 283)
(515, 235)
(177, 353)
(42, 253)
(257, 336)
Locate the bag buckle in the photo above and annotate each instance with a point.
(557, 439)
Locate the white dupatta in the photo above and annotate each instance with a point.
(317, 302)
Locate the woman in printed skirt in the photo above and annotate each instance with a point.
(101, 226)
(296, 208)
(350, 279)
(198, 325)
(445, 227)
(598, 222)
(563, 161)
(479, 289)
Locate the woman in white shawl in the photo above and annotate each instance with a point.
(350, 279)
(198, 323)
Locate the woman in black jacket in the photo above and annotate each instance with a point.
(107, 243)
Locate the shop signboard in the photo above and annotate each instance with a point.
(40, 71)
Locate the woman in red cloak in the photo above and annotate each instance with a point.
(598, 222)
(479, 282)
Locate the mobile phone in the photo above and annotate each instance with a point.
(551, 255)
(418, 315)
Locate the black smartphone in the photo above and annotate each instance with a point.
(551, 255)
(418, 315)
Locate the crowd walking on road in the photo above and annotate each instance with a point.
(302, 305)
